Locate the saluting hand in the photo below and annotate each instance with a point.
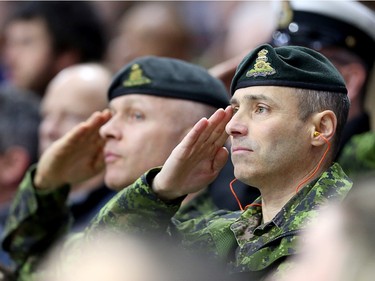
(197, 160)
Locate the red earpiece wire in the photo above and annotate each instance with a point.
(238, 200)
(318, 165)
(234, 193)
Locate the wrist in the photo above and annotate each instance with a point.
(42, 183)
(152, 179)
(163, 193)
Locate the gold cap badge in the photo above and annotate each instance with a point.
(261, 67)
(136, 77)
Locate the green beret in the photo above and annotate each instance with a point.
(287, 66)
(170, 78)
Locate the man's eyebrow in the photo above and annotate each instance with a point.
(251, 97)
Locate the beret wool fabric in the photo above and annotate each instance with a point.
(170, 78)
(287, 66)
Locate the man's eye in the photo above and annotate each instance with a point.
(235, 109)
(136, 116)
(260, 109)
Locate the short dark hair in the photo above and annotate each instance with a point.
(73, 25)
(311, 101)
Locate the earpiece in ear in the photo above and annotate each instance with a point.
(316, 134)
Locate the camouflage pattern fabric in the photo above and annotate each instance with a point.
(38, 219)
(358, 155)
(239, 239)
(199, 206)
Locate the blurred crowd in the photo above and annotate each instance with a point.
(57, 62)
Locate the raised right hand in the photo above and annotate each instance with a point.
(197, 160)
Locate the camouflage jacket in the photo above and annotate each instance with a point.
(240, 239)
(358, 155)
(38, 219)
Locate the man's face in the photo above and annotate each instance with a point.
(141, 134)
(268, 138)
(28, 54)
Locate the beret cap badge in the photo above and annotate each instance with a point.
(136, 77)
(261, 66)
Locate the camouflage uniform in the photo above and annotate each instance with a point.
(38, 219)
(358, 156)
(240, 239)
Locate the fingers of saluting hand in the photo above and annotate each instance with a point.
(98, 118)
(220, 136)
(89, 130)
(210, 134)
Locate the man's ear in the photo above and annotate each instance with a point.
(324, 124)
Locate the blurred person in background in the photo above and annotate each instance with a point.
(19, 122)
(71, 97)
(5, 9)
(43, 37)
(150, 28)
(247, 25)
(110, 13)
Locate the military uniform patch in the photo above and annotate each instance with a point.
(136, 77)
(261, 67)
